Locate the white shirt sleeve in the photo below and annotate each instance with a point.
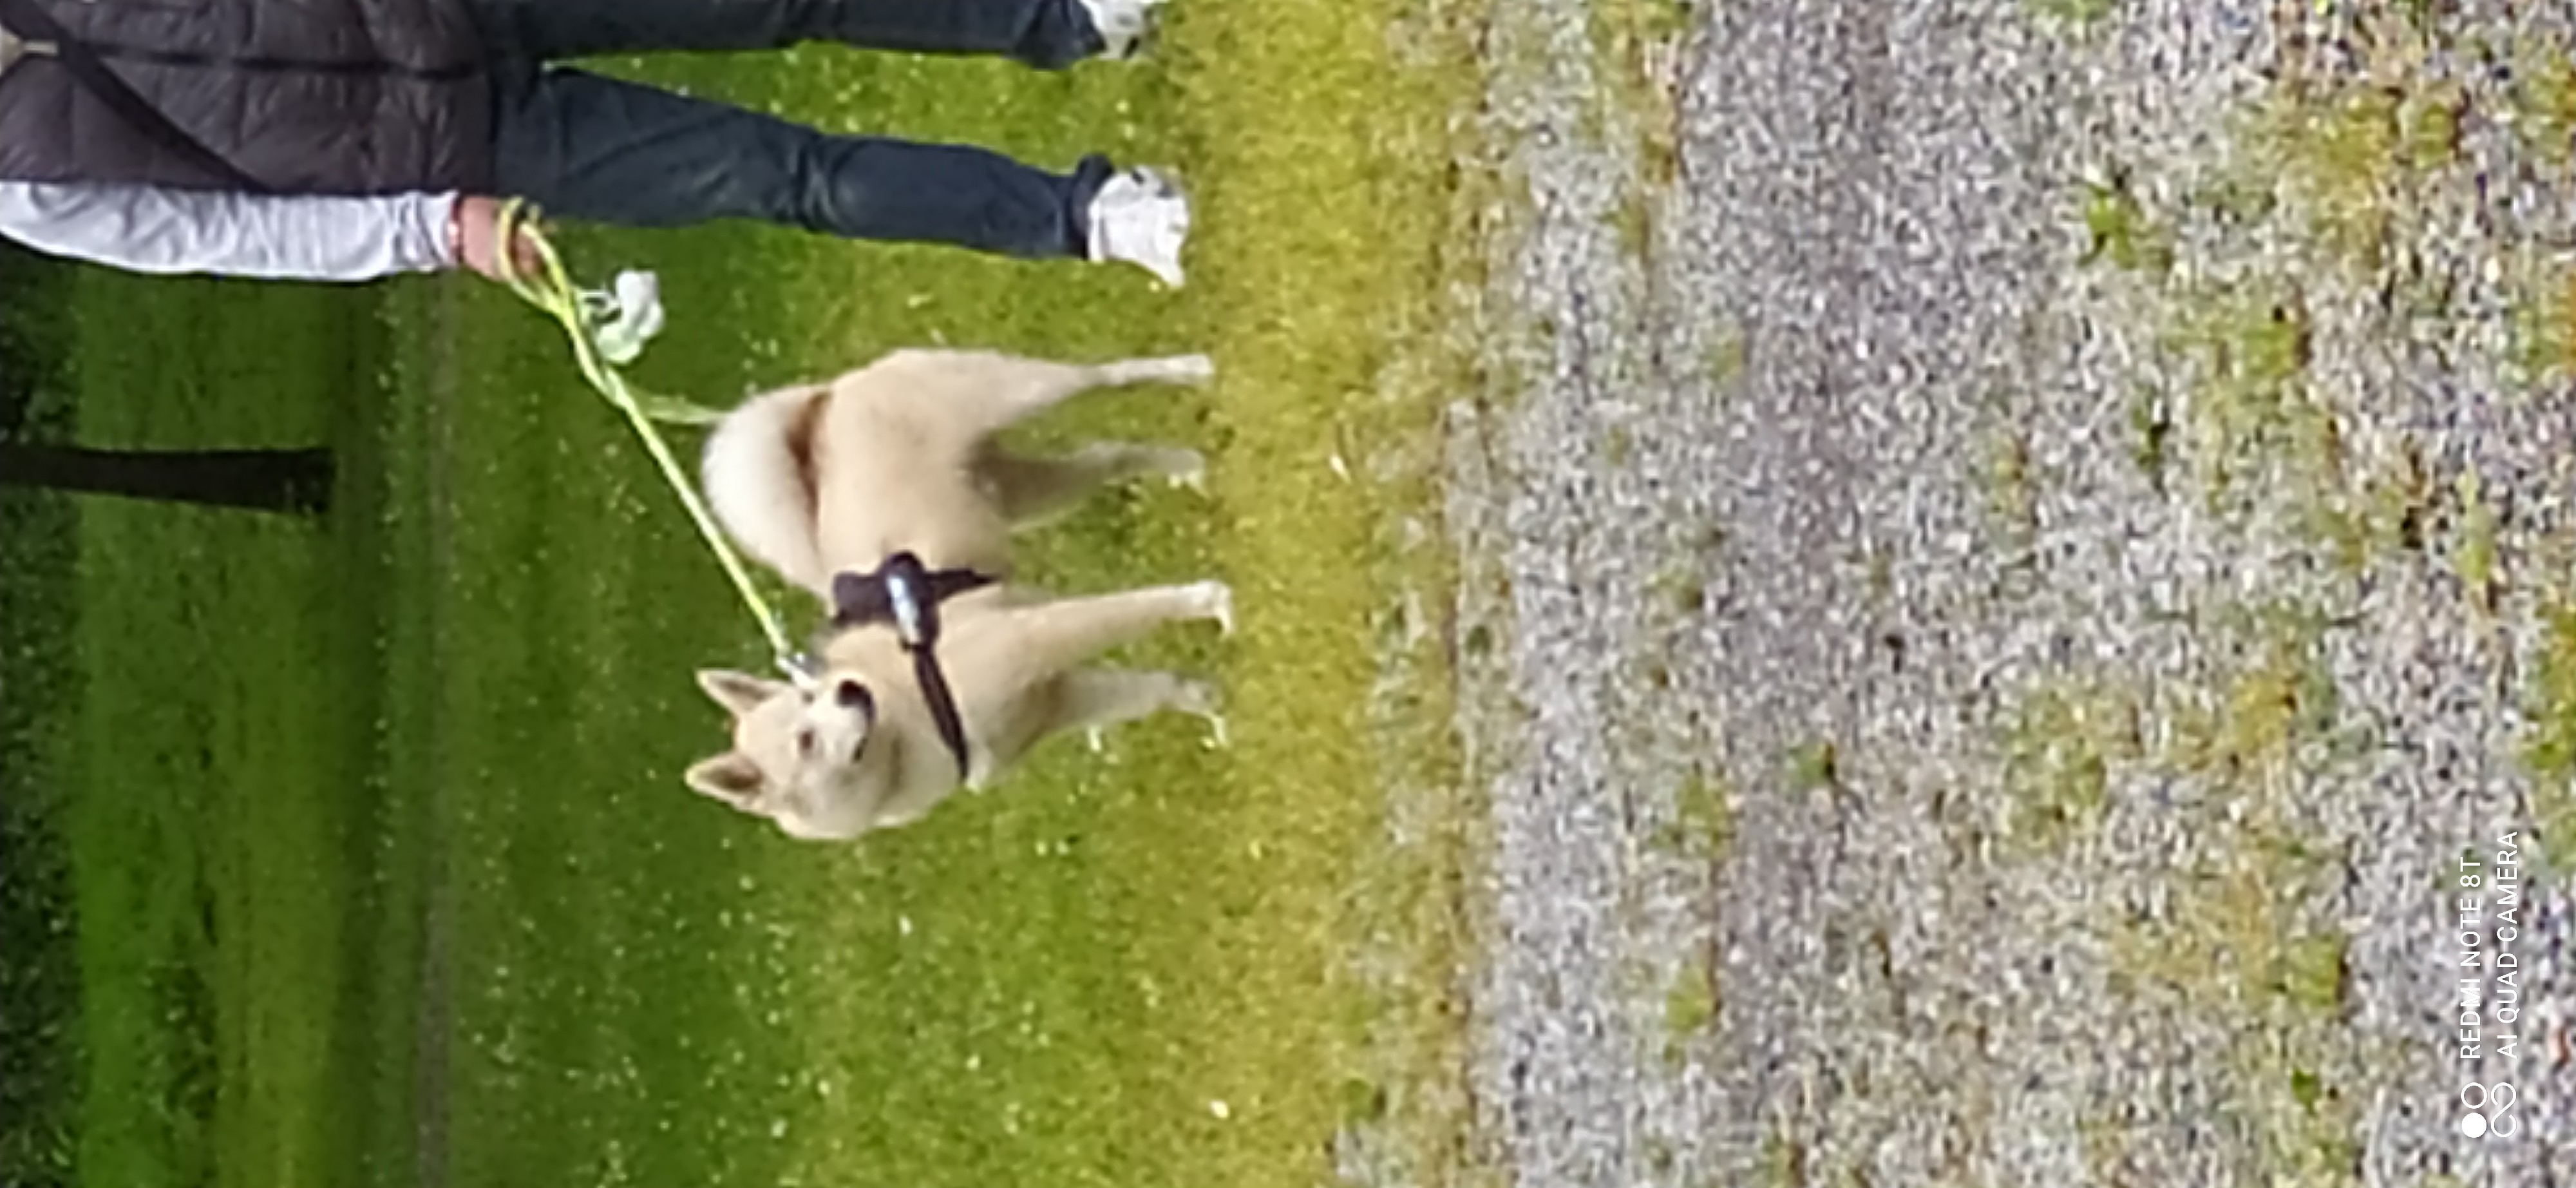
(148, 229)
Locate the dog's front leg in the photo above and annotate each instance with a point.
(1035, 490)
(1170, 369)
(1095, 699)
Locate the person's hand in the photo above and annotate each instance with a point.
(475, 231)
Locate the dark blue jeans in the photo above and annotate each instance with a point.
(584, 146)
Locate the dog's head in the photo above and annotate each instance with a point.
(791, 748)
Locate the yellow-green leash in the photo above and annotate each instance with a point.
(554, 293)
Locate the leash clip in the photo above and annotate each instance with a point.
(802, 670)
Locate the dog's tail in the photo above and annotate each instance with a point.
(759, 482)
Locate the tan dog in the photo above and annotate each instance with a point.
(898, 457)
(861, 752)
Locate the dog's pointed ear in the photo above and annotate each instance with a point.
(739, 692)
(730, 777)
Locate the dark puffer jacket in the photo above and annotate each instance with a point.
(308, 96)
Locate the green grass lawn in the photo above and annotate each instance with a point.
(383, 867)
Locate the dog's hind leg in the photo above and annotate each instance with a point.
(1005, 389)
(1035, 490)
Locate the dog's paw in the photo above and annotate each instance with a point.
(1185, 468)
(1095, 738)
(1171, 369)
(1188, 369)
(1200, 700)
(1216, 601)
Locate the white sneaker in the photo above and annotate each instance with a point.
(1123, 24)
(1140, 217)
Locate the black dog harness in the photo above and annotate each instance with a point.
(907, 594)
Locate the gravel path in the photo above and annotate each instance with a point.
(1964, 713)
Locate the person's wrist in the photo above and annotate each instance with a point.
(456, 232)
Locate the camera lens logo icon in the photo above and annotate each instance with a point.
(2488, 1106)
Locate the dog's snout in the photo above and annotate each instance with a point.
(850, 695)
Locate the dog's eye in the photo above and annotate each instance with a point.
(805, 741)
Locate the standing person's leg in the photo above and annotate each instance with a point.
(1048, 34)
(583, 146)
